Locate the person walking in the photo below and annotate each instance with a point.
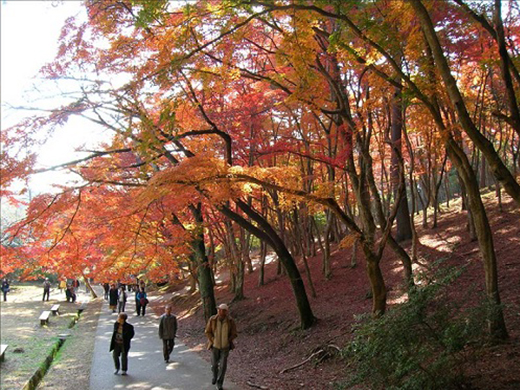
(5, 288)
(106, 289)
(76, 285)
(121, 299)
(46, 289)
(63, 286)
(68, 293)
(112, 297)
(141, 301)
(221, 331)
(120, 343)
(167, 332)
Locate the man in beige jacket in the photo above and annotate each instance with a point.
(221, 331)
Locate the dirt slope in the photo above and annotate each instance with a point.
(270, 340)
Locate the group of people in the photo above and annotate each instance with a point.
(70, 289)
(117, 297)
(220, 330)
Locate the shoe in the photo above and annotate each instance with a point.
(167, 361)
(213, 381)
(116, 371)
(123, 373)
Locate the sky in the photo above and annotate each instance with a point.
(29, 36)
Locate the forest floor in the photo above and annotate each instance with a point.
(270, 341)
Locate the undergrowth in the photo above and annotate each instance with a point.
(421, 344)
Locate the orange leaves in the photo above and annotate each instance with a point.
(208, 104)
(185, 179)
(348, 241)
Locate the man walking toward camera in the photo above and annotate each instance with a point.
(220, 331)
(120, 343)
(168, 332)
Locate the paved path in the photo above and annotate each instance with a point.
(146, 367)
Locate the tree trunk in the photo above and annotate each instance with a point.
(415, 238)
(353, 257)
(89, 287)
(299, 239)
(496, 165)
(318, 235)
(204, 277)
(377, 285)
(497, 327)
(192, 277)
(447, 189)
(246, 250)
(404, 230)
(327, 273)
(264, 231)
(436, 191)
(505, 63)
(239, 286)
(498, 195)
(405, 260)
(261, 269)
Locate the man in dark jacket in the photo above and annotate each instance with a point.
(46, 289)
(167, 332)
(120, 344)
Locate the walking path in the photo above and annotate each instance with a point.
(146, 367)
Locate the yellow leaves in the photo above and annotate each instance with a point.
(324, 190)
(185, 181)
(205, 177)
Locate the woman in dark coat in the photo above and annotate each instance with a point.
(141, 301)
(113, 297)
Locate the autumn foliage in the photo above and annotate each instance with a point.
(275, 119)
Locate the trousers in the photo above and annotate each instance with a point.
(119, 351)
(168, 345)
(219, 364)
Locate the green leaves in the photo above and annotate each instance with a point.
(150, 11)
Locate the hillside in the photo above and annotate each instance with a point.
(270, 340)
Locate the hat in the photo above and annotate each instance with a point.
(223, 306)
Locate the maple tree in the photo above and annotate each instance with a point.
(240, 118)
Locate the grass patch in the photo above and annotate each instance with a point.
(29, 342)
